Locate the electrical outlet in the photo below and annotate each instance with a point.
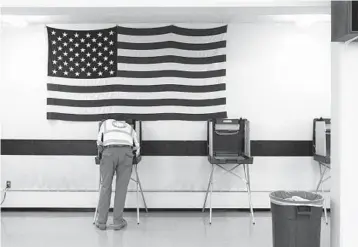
(8, 184)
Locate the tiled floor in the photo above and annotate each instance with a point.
(165, 229)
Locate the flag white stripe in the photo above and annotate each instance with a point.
(136, 110)
(170, 51)
(171, 66)
(136, 95)
(182, 25)
(170, 37)
(136, 81)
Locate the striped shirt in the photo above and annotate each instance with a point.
(117, 133)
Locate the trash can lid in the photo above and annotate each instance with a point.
(296, 198)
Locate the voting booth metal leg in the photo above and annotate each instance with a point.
(208, 188)
(320, 185)
(98, 195)
(138, 189)
(137, 195)
(246, 180)
(248, 187)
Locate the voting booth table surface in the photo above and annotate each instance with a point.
(137, 126)
(322, 151)
(229, 148)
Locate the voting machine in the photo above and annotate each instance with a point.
(229, 145)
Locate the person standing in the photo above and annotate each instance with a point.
(116, 141)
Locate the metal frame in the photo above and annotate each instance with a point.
(245, 179)
(323, 169)
(139, 188)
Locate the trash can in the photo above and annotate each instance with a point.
(296, 218)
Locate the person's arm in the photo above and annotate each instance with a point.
(136, 142)
(100, 138)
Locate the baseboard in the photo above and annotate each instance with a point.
(155, 200)
(130, 210)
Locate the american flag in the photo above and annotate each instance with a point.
(161, 73)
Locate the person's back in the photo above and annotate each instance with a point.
(116, 139)
(117, 133)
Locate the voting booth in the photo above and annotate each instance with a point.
(137, 126)
(322, 151)
(229, 148)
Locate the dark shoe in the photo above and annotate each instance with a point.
(120, 226)
(101, 226)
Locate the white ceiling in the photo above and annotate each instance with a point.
(50, 15)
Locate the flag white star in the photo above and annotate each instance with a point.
(77, 74)
(105, 58)
(60, 67)
(53, 32)
(65, 54)
(65, 63)
(99, 34)
(54, 61)
(88, 44)
(71, 59)
(83, 59)
(83, 69)
(111, 33)
(76, 35)
(54, 52)
(100, 73)
(106, 68)
(71, 68)
(94, 40)
(100, 53)
(59, 58)
(54, 42)
(94, 49)
(88, 64)
(88, 35)
(99, 44)
(105, 48)
(105, 38)
(77, 44)
(71, 40)
(100, 63)
(88, 73)
(111, 72)
(83, 49)
(65, 73)
(111, 62)
(76, 54)
(88, 54)
(77, 64)
(94, 68)
(59, 38)
(54, 71)
(82, 40)
(65, 44)
(60, 48)
(111, 53)
(64, 34)
(111, 42)
(94, 59)
(71, 49)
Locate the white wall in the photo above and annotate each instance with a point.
(278, 76)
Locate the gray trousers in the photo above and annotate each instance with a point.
(114, 160)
